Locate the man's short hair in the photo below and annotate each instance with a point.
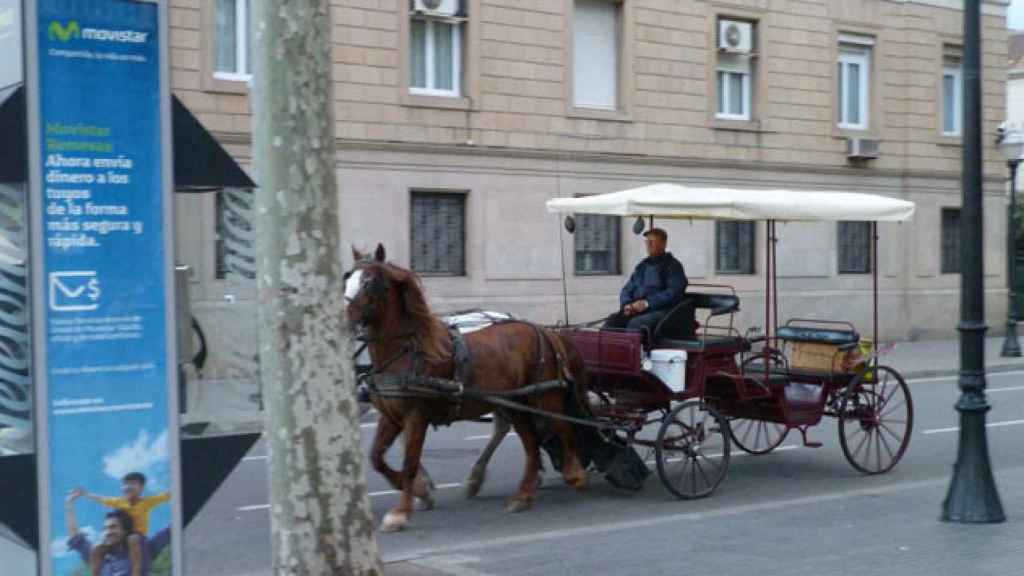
(135, 477)
(657, 232)
(124, 519)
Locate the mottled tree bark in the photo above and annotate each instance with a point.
(320, 515)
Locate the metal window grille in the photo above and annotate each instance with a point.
(854, 247)
(596, 243)
(438, 229)
(950, 240)
(235, 245)
(734, 247)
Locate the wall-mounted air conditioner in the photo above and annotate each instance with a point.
(861, 148)
(436, 7)
(735, 36)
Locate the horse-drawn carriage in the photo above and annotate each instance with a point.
(712, 386)
(705, 384)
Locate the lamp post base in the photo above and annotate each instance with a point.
(1011, 347)
(972, 497)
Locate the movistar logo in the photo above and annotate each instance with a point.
(65, 32)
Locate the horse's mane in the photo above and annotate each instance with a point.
(429, 333)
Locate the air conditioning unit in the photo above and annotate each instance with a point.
(436, 7)
(861, 148)
(735, 36)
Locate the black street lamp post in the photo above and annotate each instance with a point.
(972, 495)
(1012, 147)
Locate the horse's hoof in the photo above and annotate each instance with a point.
(474, 483)
(421, 489)
(394, 521)
(518, 505)
(578, 482)
(424, 503)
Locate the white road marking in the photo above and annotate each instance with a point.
(1007, 389)
(955, 376)
(989, 425)
(371, 495)
(686, 519)
(254, 458)
(484, 436)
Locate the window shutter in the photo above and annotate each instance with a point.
(596, 53)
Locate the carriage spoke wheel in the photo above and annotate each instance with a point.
(876, 420)
(692, 450)
(757, 436)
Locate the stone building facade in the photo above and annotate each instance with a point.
(456, 122)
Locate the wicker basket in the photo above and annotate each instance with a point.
(821, 357)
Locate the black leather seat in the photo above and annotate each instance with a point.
(678, 329)
(818, 335)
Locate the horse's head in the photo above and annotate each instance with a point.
(373, 285)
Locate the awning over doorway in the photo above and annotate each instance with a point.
(200, 163)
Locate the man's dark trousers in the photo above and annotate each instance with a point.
(648, 320)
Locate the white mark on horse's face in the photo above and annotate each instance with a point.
(353, 285)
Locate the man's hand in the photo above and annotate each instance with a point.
(640, 306)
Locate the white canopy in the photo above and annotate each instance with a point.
(677, 201)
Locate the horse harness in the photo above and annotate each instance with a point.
(413, 385)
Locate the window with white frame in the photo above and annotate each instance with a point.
(854, 76)
(734, 74)
(596, 53)
(231, 40)
(952, 94)
(733, 87)
(435, 56)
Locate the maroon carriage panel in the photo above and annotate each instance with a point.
(609, 351)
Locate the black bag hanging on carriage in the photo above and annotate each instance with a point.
(621, 465)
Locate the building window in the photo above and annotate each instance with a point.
(235, 241)
(854, 247)
(438, 229)
(596, 53)
(231, 40)
(435, 53)
(734, 71)
(734, 247)
(952, 94)
(596, 244)
(950, 241)
(854, 76)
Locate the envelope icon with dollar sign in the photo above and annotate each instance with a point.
(74, 291)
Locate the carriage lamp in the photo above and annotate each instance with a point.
(638, 226)
(570, 224)
(1011, 143)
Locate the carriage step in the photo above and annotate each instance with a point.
(812, 444)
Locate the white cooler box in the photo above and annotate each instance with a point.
(669, 366)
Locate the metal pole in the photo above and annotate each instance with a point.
(972, 495)
(1011, 347)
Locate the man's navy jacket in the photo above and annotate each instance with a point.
(658, 279)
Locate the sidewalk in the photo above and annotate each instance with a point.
(926, 358)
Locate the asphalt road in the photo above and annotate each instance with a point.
(787, 507)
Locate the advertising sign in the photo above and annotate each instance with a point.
(107, 434)
(10, 43)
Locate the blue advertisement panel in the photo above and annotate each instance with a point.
(107, 433)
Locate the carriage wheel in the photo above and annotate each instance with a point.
(692, 450)
(875, 420)
(757, 436)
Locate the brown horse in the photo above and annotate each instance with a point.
(406, 338)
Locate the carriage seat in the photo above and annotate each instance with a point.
(833, 336)
(678, 329)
